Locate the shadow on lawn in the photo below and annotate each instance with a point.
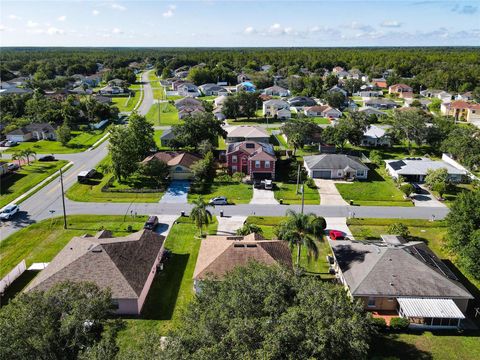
(163, 294)
(389, 346)
(17, 286)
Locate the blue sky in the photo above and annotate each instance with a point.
(239, 23)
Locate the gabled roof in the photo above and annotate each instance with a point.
(245, 131)
(334, 162)
(122, 264)
(374, 131)
(44, 127)
(420, 166)
(256, 150)
(220, 254)
(173, 158)
(187, 101)
(410, 269)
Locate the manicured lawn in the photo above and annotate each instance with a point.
(451, 195)
(168, 114)
(126, 103)
(40, 242)
(172, 288)
(236, 193)
(318, 267)
(81, 141)
(15, 184)
(157, 135)
(221, 143)
(378, 190)
(321, 121)
(287, 192)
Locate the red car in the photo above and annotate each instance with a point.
(336, 235)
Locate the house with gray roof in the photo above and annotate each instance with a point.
(415, 169)
(34, 131)
(273, 106)
(381, 104)
(166, 138)
(405, 278)
(212, 89)
(335, 166)
(247, 133)
(376, 136)
(125, 265)
(301, 101)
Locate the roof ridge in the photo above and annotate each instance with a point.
(214, 259)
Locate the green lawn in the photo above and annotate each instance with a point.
(378, 190)
(168, 114)
(41, 241)
(318, 267)
(287, 192)
(126, 103)
(321, 121)
(454, 190)
(221, 143)
(236, 193)
(15, 184)
(80, 141)
(172, 288)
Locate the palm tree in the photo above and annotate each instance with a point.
(27, 153)
(302, 230)
(17, 155)
(248, 229)
(200, 214)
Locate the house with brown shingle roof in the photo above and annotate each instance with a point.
(179, 163)
(399, 88)
(255, 159)
(125, 265)
(219, 255)
(461, 110)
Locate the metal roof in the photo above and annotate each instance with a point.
(432, 308)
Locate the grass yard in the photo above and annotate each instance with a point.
(15, 184)
(81, 141)
(172, 288)
(126, 103)
(451, 195)
(236, 193)
(40, 242)
(287, 192)
(221, 144)
(168, 115)
(378, 190)
(317, 267)
(321, 121)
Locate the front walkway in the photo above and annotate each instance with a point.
(176, 193)
(261, 196)
(329, 194)
(229, 225)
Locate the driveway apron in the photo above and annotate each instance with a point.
(176, 193)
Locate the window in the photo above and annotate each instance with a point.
(339, 173)
(267, 164)
(371, 302)
(178, 169)
(257, 164)
(360, 173)
(234, 159)
(234, 168)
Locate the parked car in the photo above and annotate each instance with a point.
(268, 184)
(85, 175)
(417, 188)
(3, 142)
(336, 235)
(220, 200)
(13, 166)
(11, 143)
(47, 158)
(258, 184)
(8, 211)
(151, 223)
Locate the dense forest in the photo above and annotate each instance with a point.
(449, 68)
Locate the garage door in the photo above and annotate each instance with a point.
(322, 174)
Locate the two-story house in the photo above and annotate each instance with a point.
(255, 159)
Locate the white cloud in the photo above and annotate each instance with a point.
(2, 28)
(55, 31)
(62, 18)
(391, 24)
(117, 31)
(95, 12)
(249, 30)
(116, 6)
(170, 11)
(31, 24)
(358, 26)
(14, 17)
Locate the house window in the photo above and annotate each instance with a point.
(257, 164)
(267, 164)
(234, 168)
(178, 169)
(360, 173)
(339, 173)
(391, 299)
(234, 159)
(371, 302)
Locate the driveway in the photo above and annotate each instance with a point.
(261, 196)
(165, 223)
(338, 223)
(426, 199)
(229, 225)
(176, 193)
(329, 194)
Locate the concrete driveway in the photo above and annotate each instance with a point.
(261, 196)
(426, 199)
(176, 193)
(329, 194)
(165, 223)
(338, 223)
(228, 225)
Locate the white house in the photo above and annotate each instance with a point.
(42, 131)
(335, 166)
(188, 90)
(322, 111)
(273, 106)
(415, 169)
(375, 136)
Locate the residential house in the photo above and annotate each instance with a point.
(276, 90)
(188, 111)
(423, 103)
(273, 106)
(247, 133)
(93, 80)
(467, 96)
(124, 265)
(176, 84)
(219, 255)
(212, 89)
(439, 94)
(397, 89)
(322, 111)
(35, 131)
(380, 83)
(372, 111)
(179, 163)
(406, 95)
(188, 90)
(337, 89)
(337, 69)
(187, 102)
(111, 90)
(301, 101)
(283, 114)
(367, 94)
(14, 90)
(255, 159)
(461, 110)
(393, 276)
(166, 138)
(415, 169)
(381, 104)
(103, 99)
(266, 67)
(246, 86)
(376, 136)
(335, 166)
(242, 77)
(3, 168)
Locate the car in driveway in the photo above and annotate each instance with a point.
(151, 223)
(9, 211)
(12, 167)
(220, 200)
(417, 189)
(47, 158)
(10, 143)
(336, 235)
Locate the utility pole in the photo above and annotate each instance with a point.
(158, 102)
(298, 179)
(63, 201)
(303, 197)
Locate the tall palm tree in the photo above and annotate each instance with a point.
(200, 214)
(27, 153)
(302, 230)
(248, 228)
(17, 156)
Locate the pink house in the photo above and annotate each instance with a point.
(125, 265)
(255, 159)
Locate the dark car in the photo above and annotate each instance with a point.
(47, 158)
(151, 223)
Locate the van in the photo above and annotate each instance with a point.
(151, 223)
(85, 175)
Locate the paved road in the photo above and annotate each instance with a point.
(147, 95)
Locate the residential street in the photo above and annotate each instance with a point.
(147, 95)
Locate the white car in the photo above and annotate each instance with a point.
(221, 200)
(8, 211)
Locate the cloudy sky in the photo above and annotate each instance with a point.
(239, 23)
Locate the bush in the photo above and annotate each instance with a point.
(407, 189)
(379, 323)
(310, 183)
(238, 176)
(375, 157)
(399, 323)
(224, 178)
(399, 229)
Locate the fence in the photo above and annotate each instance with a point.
(12, 276)
(449, 160)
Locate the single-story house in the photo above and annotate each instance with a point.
(179, 163)
(242, 77)
(461, 110)
(276, 90)
(188, 90)
(467, 96)
(380, 83)
(337, 89)
(166, 138)
(187, 102)
(439, 94)
(367, 94)
(111, 90)
(372, 111)
(246, 86)
(399, 88)
(188, 111)
(40, 131)
(219, 255)
(247, 133)
(335, 166)
(271, 107)
(406, 278)
(301, 101)
(212, 89)
(322, 111)
(252, 158)
(125, 265)
(381, 104)
(14, 90)
(423, 102)
(103, 99)
(375, 136)
(415, 169)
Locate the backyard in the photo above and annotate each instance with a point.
(22, 180)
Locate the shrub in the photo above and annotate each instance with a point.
(399, 229)
(238, 176)
(310, 183)
(223, 178)
(399, 323)
(379, 323)
(407, 189)
(375, 157)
